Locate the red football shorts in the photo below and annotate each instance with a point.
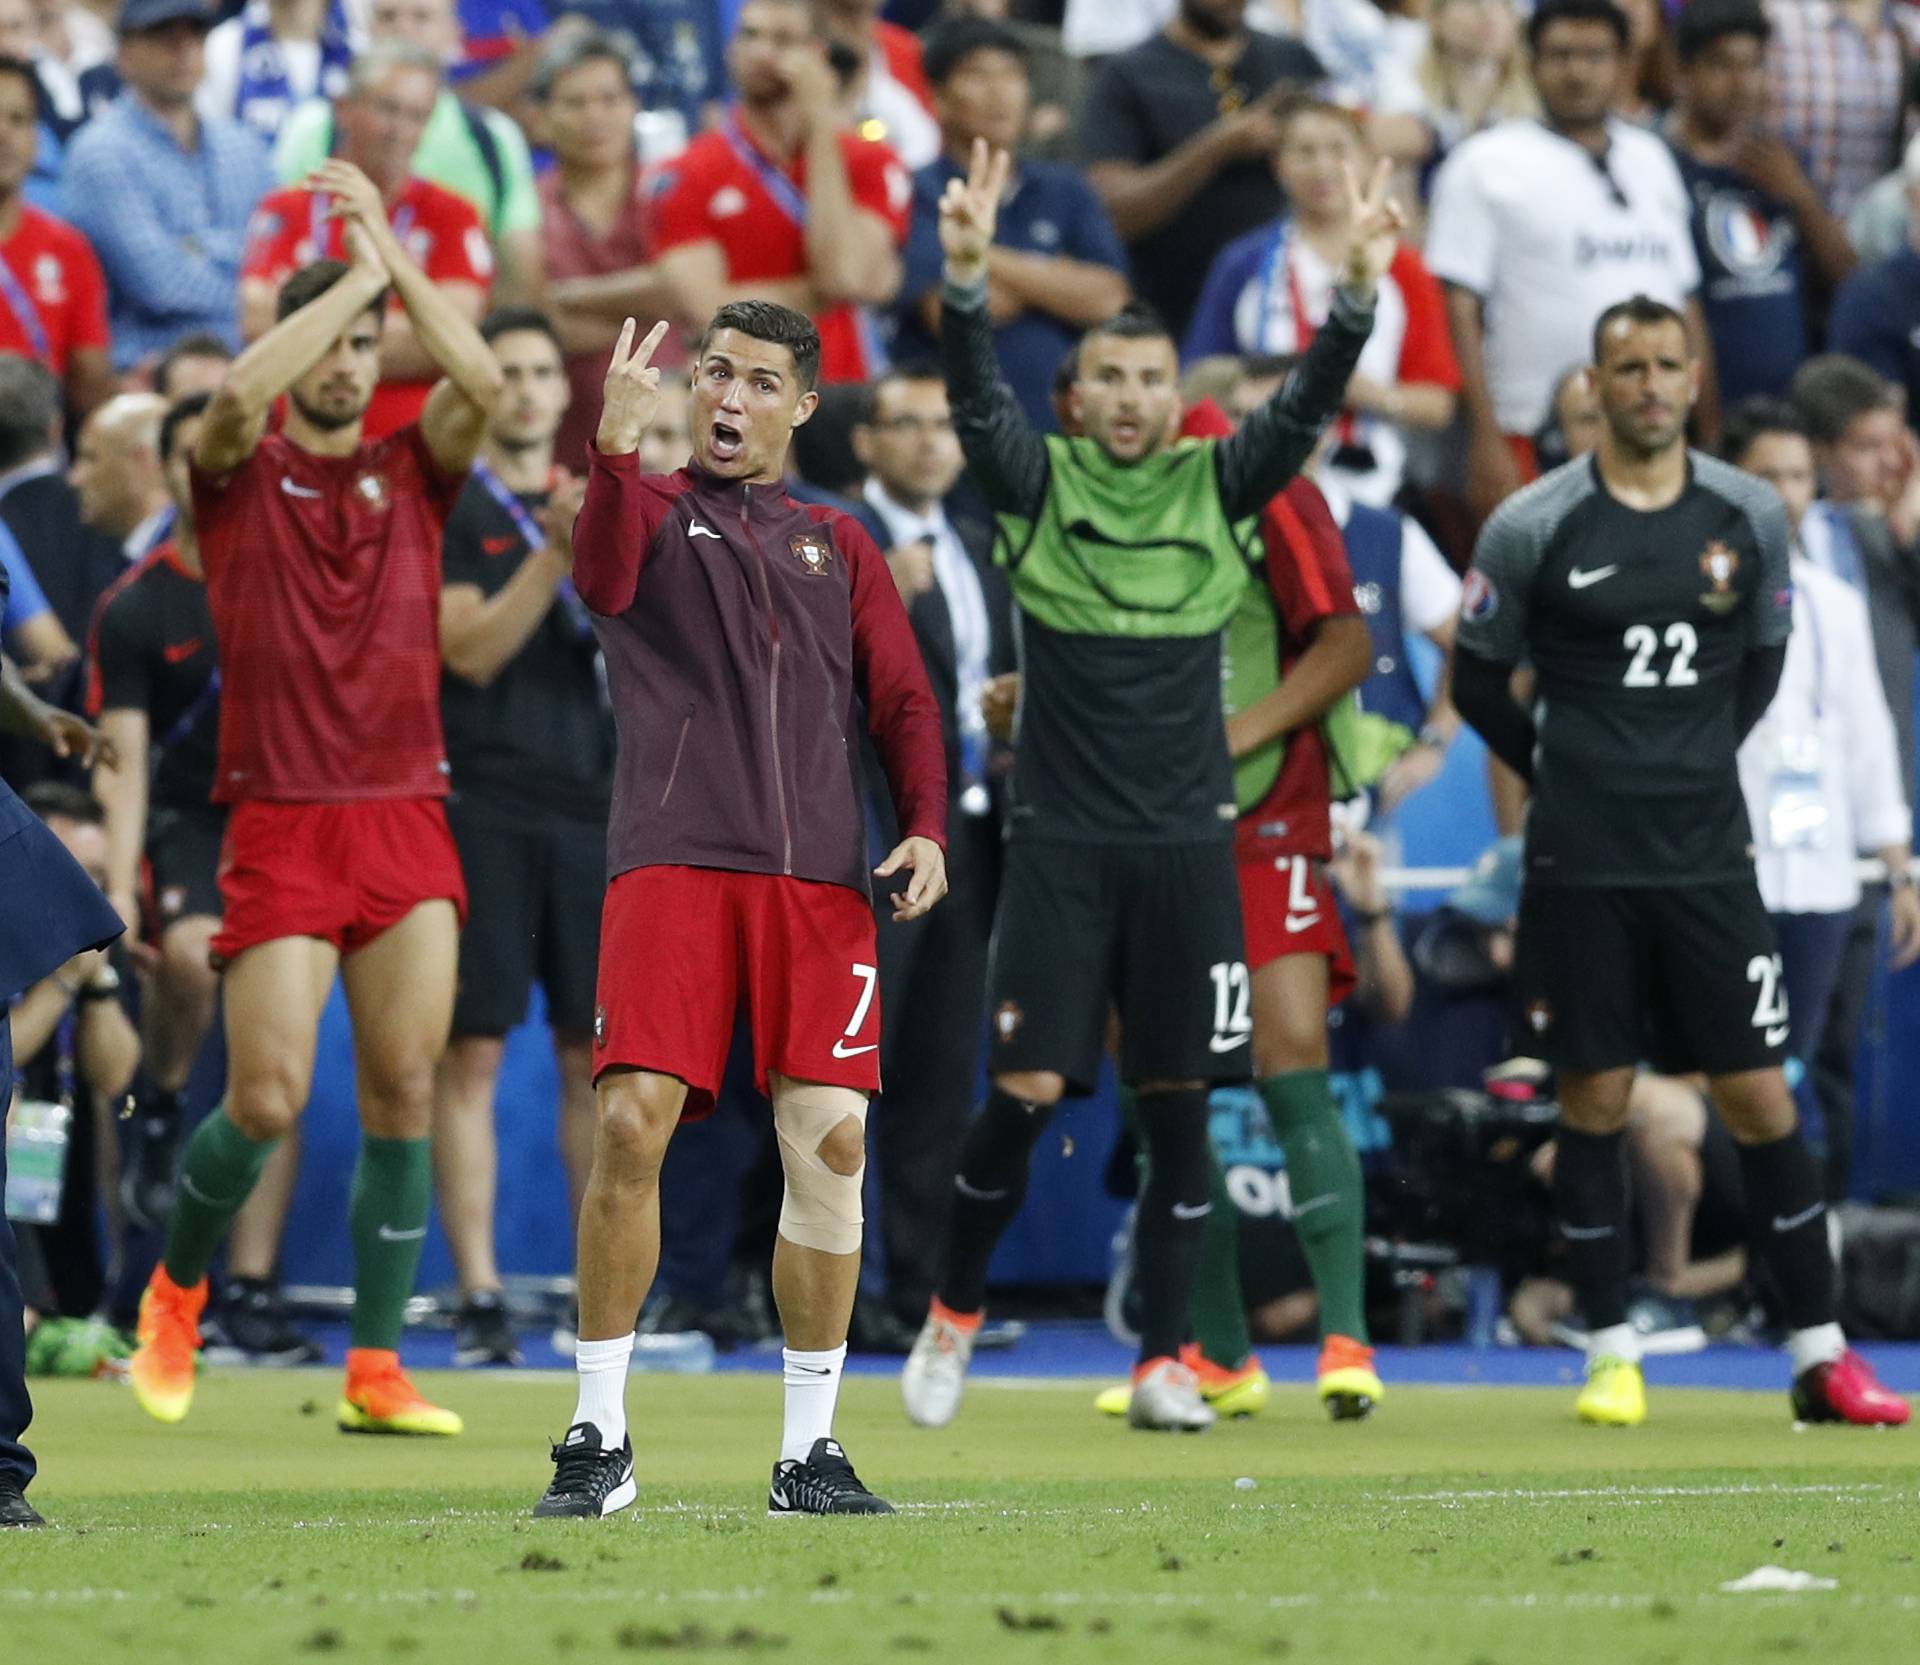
(681, 946)
(340, 872)
(1288, 908)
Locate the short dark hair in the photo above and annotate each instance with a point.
(1830, 391)
(1550, 12)
(777, 325)
(21, 70)
(48, 798)
(904, 370)
(1752, 420)
(29, 407)
(1702, 22)
(570, 49)
(200, 344)
(311, 282)
(514, 320)
(180, 412)
(1138, 320)
(1638, 309)
(948, 45)
(1066, 370)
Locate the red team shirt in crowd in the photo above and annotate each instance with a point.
(57, 281)
(724, 189)
(323, 576)
(441, 231)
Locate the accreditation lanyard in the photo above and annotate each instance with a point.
(534, 538)
(787, 196)
(197, 707)
(1279, 267)
(25, 313)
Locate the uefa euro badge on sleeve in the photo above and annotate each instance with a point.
(1797, 813)
(37, 1140)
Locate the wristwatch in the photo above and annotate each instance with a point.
(104, 986)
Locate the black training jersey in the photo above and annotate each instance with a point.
(152, 650)
(1636, 624)
(540, 733)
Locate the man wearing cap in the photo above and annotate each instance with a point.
(163, 194)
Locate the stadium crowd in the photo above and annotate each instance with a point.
(556, 170)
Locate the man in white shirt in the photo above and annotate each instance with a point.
(1821, 771)
(116, 470)
(933, 972)
(1537, 227)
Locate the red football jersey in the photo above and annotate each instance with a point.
(57, 278)
(323, 577)
(442, 232)
(721, 188)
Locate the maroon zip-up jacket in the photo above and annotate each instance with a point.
(738, 628)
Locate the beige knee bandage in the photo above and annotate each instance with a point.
(822, 1206)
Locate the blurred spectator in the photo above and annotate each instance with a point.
(379, 119)
(499, 40)
(193, 364)
(1056, 266)
(1835, 69)
(667, 442)
(74, 36)
(780, 204)
(1754, 209)
(1538, 227)
(1645, 88)
(530, 744)
(1268, 292)
(53, 299)
(37, 505)
(1573, 425)
(933, 973)
(1058, 78)
(1178, 135)
(163, 195)
(58, 108)
(476, 153)
(73, 1045)
(681, 63)
(1469, 74)
(1821, 772)
(1876, 315)
(1877, 223)
(596, 218)
(275, 55)
(117, 475)
(882, 66)
(30, 635)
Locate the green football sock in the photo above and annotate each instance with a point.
(217, 1174)
(1329, 1209)
(1219, 1309)
(387, 1216)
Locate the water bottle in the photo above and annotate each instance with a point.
(1483, 1306)
(686, 1352)
(36, 1160)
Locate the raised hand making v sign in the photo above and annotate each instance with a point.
(632, 391)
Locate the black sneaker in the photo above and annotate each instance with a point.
(483, 1334)
(588, 1480)
(250, 1326)
(149, 1157)
(824, 1484)
(15, 1510)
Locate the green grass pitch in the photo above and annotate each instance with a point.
(1458, 1527)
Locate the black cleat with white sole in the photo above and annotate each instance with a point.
(588, 1480)
(824, 1484)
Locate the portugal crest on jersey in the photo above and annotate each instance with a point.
(811, 552)
(1719, 562)
(372, 490)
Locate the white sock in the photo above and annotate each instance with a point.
(1821, 1344)
(602, 1368)
(813, 1388)
(1617, 1341)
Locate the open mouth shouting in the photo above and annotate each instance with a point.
(726, 442)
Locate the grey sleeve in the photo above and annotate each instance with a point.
(1495, 599)
(1770, 609)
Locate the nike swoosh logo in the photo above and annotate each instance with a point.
(179, 652)
(497, 546)
(1586, 1234)
(1796, 1221)
(974, 1191)
(1776, 1037)
(1300, 921)
(842, 1050)
(778, 1499)
(1312, 1203)
(292, 490)
(696, 530)
(1226, 1043)
(389, 1235)
(812, 1370)
(1192, 1211)
(1579, 580)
